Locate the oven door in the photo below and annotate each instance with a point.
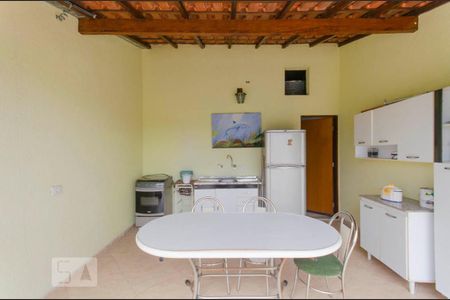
(150, 202)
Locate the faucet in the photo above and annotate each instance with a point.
(232, 162)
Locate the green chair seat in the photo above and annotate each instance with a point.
(323, 266)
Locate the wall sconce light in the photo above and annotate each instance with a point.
(240, 95)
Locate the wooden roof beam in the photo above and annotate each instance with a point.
(199, 42)
(428, 7)
(87, 13)
(137, 42)
(337, 7)
(352, 39)
(134, 12)
(75, 7)
(229, 42)
(378, 12)
(320, 40)
(260, 41)
(169, 41)
(183, 11)
(289, 41)
(286, 9)
(233, 9)
(317, 27)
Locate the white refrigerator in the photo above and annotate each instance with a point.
(285, 170)
(442, 226)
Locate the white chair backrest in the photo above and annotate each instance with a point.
(208, 205)
(259, 205)
(345, 223)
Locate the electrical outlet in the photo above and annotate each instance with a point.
(56, 190)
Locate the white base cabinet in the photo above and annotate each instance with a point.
(400, 235)
(183, 198)
(442, 225)
(232, 199)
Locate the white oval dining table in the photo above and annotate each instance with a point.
(237, 235)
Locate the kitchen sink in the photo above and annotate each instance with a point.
(227, 179)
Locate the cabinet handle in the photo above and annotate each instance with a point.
(413, 157)
(383, 141)
(361, 143)
(391, 216)
(367, 206)
(447, 168)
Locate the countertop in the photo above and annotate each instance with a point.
(225, 185)
(408, 204)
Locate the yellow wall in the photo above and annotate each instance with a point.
(70, 114)
(388, 67)
(182, 87)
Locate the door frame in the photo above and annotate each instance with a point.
(335, 155)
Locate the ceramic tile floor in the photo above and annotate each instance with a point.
(127, 272)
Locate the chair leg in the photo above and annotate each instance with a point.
(239, 277)
(308, 284)
(328, 284)
(343, 287)
(228, 278)
(199, 280)
(267, 278)
(295, 283)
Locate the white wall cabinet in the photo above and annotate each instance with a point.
(400, 235)
(385, 125)
(363, 129)
(233, 199)
(416, 128)
(442, 226)
(405, 128)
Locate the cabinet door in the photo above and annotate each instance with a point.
(393, 241)
(416, 123)
(385, 125)
(200, 193)
(363, 129)
(233, 200)
(442, 226)
(370, 227)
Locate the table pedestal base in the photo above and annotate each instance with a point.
(270, 272)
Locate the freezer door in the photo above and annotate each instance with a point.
(285, 186)
(285, 148)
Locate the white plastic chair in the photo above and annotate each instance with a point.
(208, 204)
(211, 205)
(257, 205)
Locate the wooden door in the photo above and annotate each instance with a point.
(320, 164)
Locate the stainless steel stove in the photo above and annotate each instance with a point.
(153, 197)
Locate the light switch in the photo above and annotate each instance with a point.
(56, 190)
